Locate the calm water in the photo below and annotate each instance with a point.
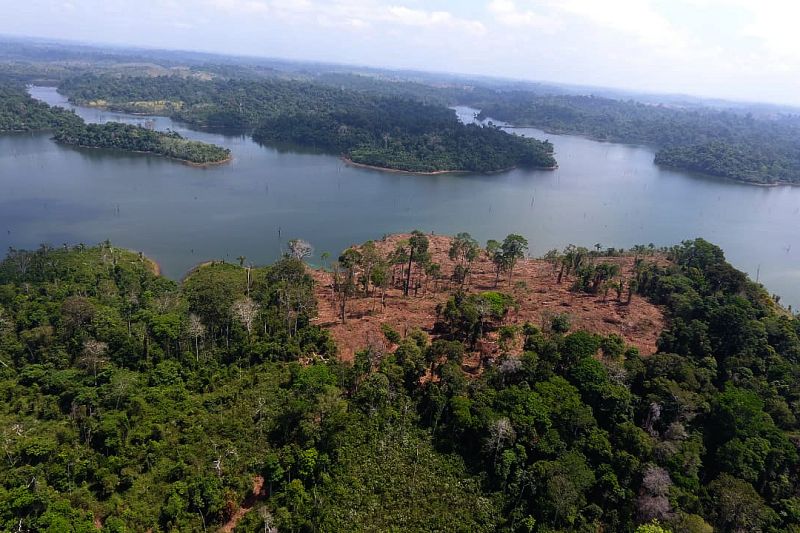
(180, 215)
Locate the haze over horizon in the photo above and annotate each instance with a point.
(732, 49)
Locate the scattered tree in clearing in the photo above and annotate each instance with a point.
(464, 250)
(513, 248)
(345, 278)
(505, 255)
(417, 254)
(370, 258)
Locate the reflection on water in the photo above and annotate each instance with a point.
(180, 215)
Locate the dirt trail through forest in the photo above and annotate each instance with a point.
(259, 494)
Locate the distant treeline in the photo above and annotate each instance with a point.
(718, 142)
(20, 112)
(395, 132)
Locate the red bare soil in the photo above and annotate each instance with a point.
(258, 494)
(639, 322)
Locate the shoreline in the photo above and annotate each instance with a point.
(436, 172)
(651, 147)
(153, 264)
(184, 161)
(696, 173)
(401, 171)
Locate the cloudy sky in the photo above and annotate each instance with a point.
(740, 49)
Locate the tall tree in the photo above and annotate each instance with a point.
(464, 250)
(513, 248)
(417, 254)
(346, 282)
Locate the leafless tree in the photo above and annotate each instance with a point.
(77, 312)
(20, 259)
(653, 416)
(9, 439)
(196, 329)
(509, 366)
(246, 311)
(653, 500)
(93, 356)
(220, 455)
(6, 326)
(269, 520)
(300, 249)
(500, 434)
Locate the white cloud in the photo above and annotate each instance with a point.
(774, 24)
(421, 18)
(236, 7)
(635, 18)
(507, 13)
(356, 14)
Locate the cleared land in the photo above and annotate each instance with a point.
(534, 287)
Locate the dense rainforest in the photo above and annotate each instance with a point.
(723, 143)
(388, 131)
(132, 403)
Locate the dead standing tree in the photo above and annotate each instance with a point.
(300, 249)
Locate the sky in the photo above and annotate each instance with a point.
(735, 49)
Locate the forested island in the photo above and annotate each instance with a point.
(127, 137)
(735, 145)
(133, 403)
(384, 131)
(20, 112)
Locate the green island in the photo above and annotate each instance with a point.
(130, 138)
(20, 112)
(394, 132)
(760, 149)
(130, 402)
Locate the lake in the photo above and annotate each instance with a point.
(180, 215)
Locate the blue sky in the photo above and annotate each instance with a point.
(740, 49)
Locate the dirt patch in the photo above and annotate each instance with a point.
(534, 287)
(259, 493)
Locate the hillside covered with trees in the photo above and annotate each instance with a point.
(130, 402)
(21, 112)
(735, 145)
(388, 131)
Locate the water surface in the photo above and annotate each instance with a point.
(604, 193)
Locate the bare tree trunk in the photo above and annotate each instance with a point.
(408, 273)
